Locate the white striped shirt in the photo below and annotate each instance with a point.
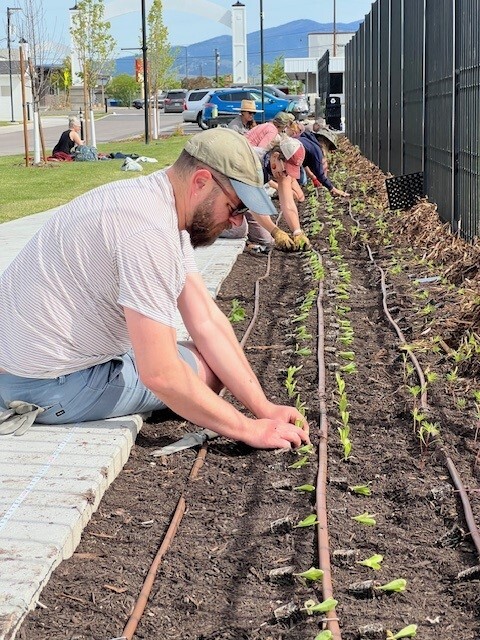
(62, 298)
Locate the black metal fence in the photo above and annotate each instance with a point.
(412, 99)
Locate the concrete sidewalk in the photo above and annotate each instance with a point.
(53, 478)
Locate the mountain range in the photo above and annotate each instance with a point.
(289, 40)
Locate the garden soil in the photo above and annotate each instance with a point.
(229, 573)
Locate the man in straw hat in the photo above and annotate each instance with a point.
(246, 118)
(108, 272)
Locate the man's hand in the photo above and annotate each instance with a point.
(282, 240)
(285, 413)
(316, 183)
(275, 434)
(302, 243)
(338, 193)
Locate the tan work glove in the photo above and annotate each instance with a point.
(302, 243)
(282, 240)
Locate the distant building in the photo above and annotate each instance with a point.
(311, 70)
(5, 96)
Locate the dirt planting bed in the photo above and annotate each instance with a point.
(230, 571)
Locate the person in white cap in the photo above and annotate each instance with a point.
(246, 118)
(107, 274)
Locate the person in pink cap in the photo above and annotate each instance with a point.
(281, 163)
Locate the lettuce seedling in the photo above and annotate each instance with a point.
(311, 574)
(300, 463)
(374, 562)
(320, 607)
(304, 487)
(406, 632)
(300, 407)
(324, 635)
(340, 383)
(309, 521)
(394, 586)
(345, 440)
(366, 518)
(342, 403)
(305, 351)
(306, 448)
(237, 314)
(361, 489)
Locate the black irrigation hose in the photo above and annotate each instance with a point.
(467, 509)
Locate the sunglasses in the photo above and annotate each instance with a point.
(236, 211)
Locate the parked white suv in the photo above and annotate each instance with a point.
(193, 106)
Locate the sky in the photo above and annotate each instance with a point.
(184, 26)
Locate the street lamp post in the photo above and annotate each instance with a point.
(145, 74)
(262, 77)
(217, 61)
(10, 10)
(144, 50)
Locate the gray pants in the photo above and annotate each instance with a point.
(250, 227)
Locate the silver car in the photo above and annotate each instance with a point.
(173, 102)
(193, 106)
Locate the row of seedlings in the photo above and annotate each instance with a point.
(345, 367)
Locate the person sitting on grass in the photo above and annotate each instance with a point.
(69, 139)
(88, 307)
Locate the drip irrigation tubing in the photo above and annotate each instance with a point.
(142, 600)
(331, 619)
(456, 479)
(321, 484)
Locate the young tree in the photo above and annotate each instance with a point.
(160, 58)
(123, 88)
(274, 73)
(42, 49)
(42, 52)
(93, 43)
(62, 78)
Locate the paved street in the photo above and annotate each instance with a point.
(118, 124)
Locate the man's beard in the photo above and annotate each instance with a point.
(202, 230)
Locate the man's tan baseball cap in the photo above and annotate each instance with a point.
(229, 153)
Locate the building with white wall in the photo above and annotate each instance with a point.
(5, 96)
(307, 69)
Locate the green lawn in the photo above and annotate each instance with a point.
(27, 190)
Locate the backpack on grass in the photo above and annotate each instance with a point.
(85, 153)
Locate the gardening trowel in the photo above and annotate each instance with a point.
(188, 441)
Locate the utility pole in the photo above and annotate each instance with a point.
(10, 10)
(334, 28)
(217, 62)
(146, 106)
(262, 76)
